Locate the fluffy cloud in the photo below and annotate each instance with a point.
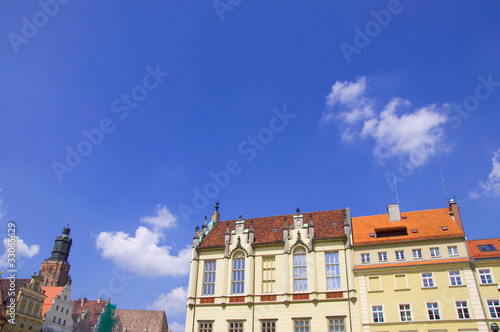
(23, 250)
(416, 134)
(173, 303)
(490, 187)
(142, 253)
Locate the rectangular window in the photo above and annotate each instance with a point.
(433, 311)
(268, 274)
(235, 326)
(400, 280)
(435, 252)
(28, 312)
(494, 307)
(332, 270)
(24, 298)
(268, 326)
(378, 314)
(302, 325)
(209, 279)
(23, 322)
(336, 324)
(382, 256)
(31, 300)
(427, 280)
(21, 310)
(405, 312)
(300, 270)
(365, 258)
(417, 253)
(30, 327)
(485, 276)
(453, 251)
(455, 279)
(462, 310)
(487, 247)
(205, 327)
(239, 273)
(400, 255)
(374, 283)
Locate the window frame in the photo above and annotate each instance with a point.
(430, 278)
(434, 310)
(457, 279)
(239, 322)
(488, 275)
(419, 255)
(435, 253)
(238, 273)
(400, 255)
(208, 326)
(299, 269)
(462, 310)
(266, 281)
(382, 254)
(452, 251)
(332, 264)
(268, 328)
(209, 274)
(305, 328)
(365, 258)
(333, 326)
(380, 314)
(406, 311)
(495, 306)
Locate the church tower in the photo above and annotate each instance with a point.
(55, 270)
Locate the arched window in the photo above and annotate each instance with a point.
(300, 269)
(238, 272)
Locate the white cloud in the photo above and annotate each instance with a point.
(23, 250)
(175, 327)
(163, 219)
(173, 303)
(490, 187)
(396, 130)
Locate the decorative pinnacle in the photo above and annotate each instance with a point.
(298, 210)
(217, 206)
(241, 216)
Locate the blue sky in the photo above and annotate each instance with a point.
(128, 121)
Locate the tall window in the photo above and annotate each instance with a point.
(209, 280)
(405, 312)
(433, 311)
(453, 251)
(300, 270)
(485, 276)
(455, 279)
(336, 324)
(427, 280)
(332, 270)
(205, 327)
(435, 252)
(494, 307)
(462, 310)
(378, 314)
(302, 325)
(235, 326)
(268, 326)
(238, 272)
(268, 274)
(382, 256)
(400, 255)
(365, 258)
(417, 253)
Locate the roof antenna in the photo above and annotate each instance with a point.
(396, 186)
(444, 184)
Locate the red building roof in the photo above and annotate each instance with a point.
(488, 248)
(51, 293)
(419, 225)
(93, 307)
(327, 224)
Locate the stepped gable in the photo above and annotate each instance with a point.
(327, 224)
(51, 293)
(140, 320)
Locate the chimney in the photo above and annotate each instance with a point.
(83, 301)
(455, 213)
(99, 300)
(394, 213)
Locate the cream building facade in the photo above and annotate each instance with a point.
(281, 273)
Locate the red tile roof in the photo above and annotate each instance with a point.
(417, 263)
(428, 224)
(475, 252)
(327, 224)
(6, 284)
(141, 320)
(92, 306)
(50, 292)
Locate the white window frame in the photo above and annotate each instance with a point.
(268, 325)
(332, 270)
(305, 328)
(235, 325)
(434, 309)
(495, 305)
(435, 252)
(379, 283)
(453, 250)
(300, 269)
(380, 314)
(336, 324)
(395, 282)
(383, 255)
(209, 277)
(238, 273)
(400, 255)
(406, 311)
(418, 252)
(365, 258)
(454, 278)
(487, 275)
(431, 279)
(462, 309)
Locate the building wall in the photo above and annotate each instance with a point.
(488, 291)
(59, 317)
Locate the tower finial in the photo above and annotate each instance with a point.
(298, 210)
(217, 206)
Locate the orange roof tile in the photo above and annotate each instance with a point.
(475, 252)
(327, 224)
(427, 262)
(427, 223)
(50, 292)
